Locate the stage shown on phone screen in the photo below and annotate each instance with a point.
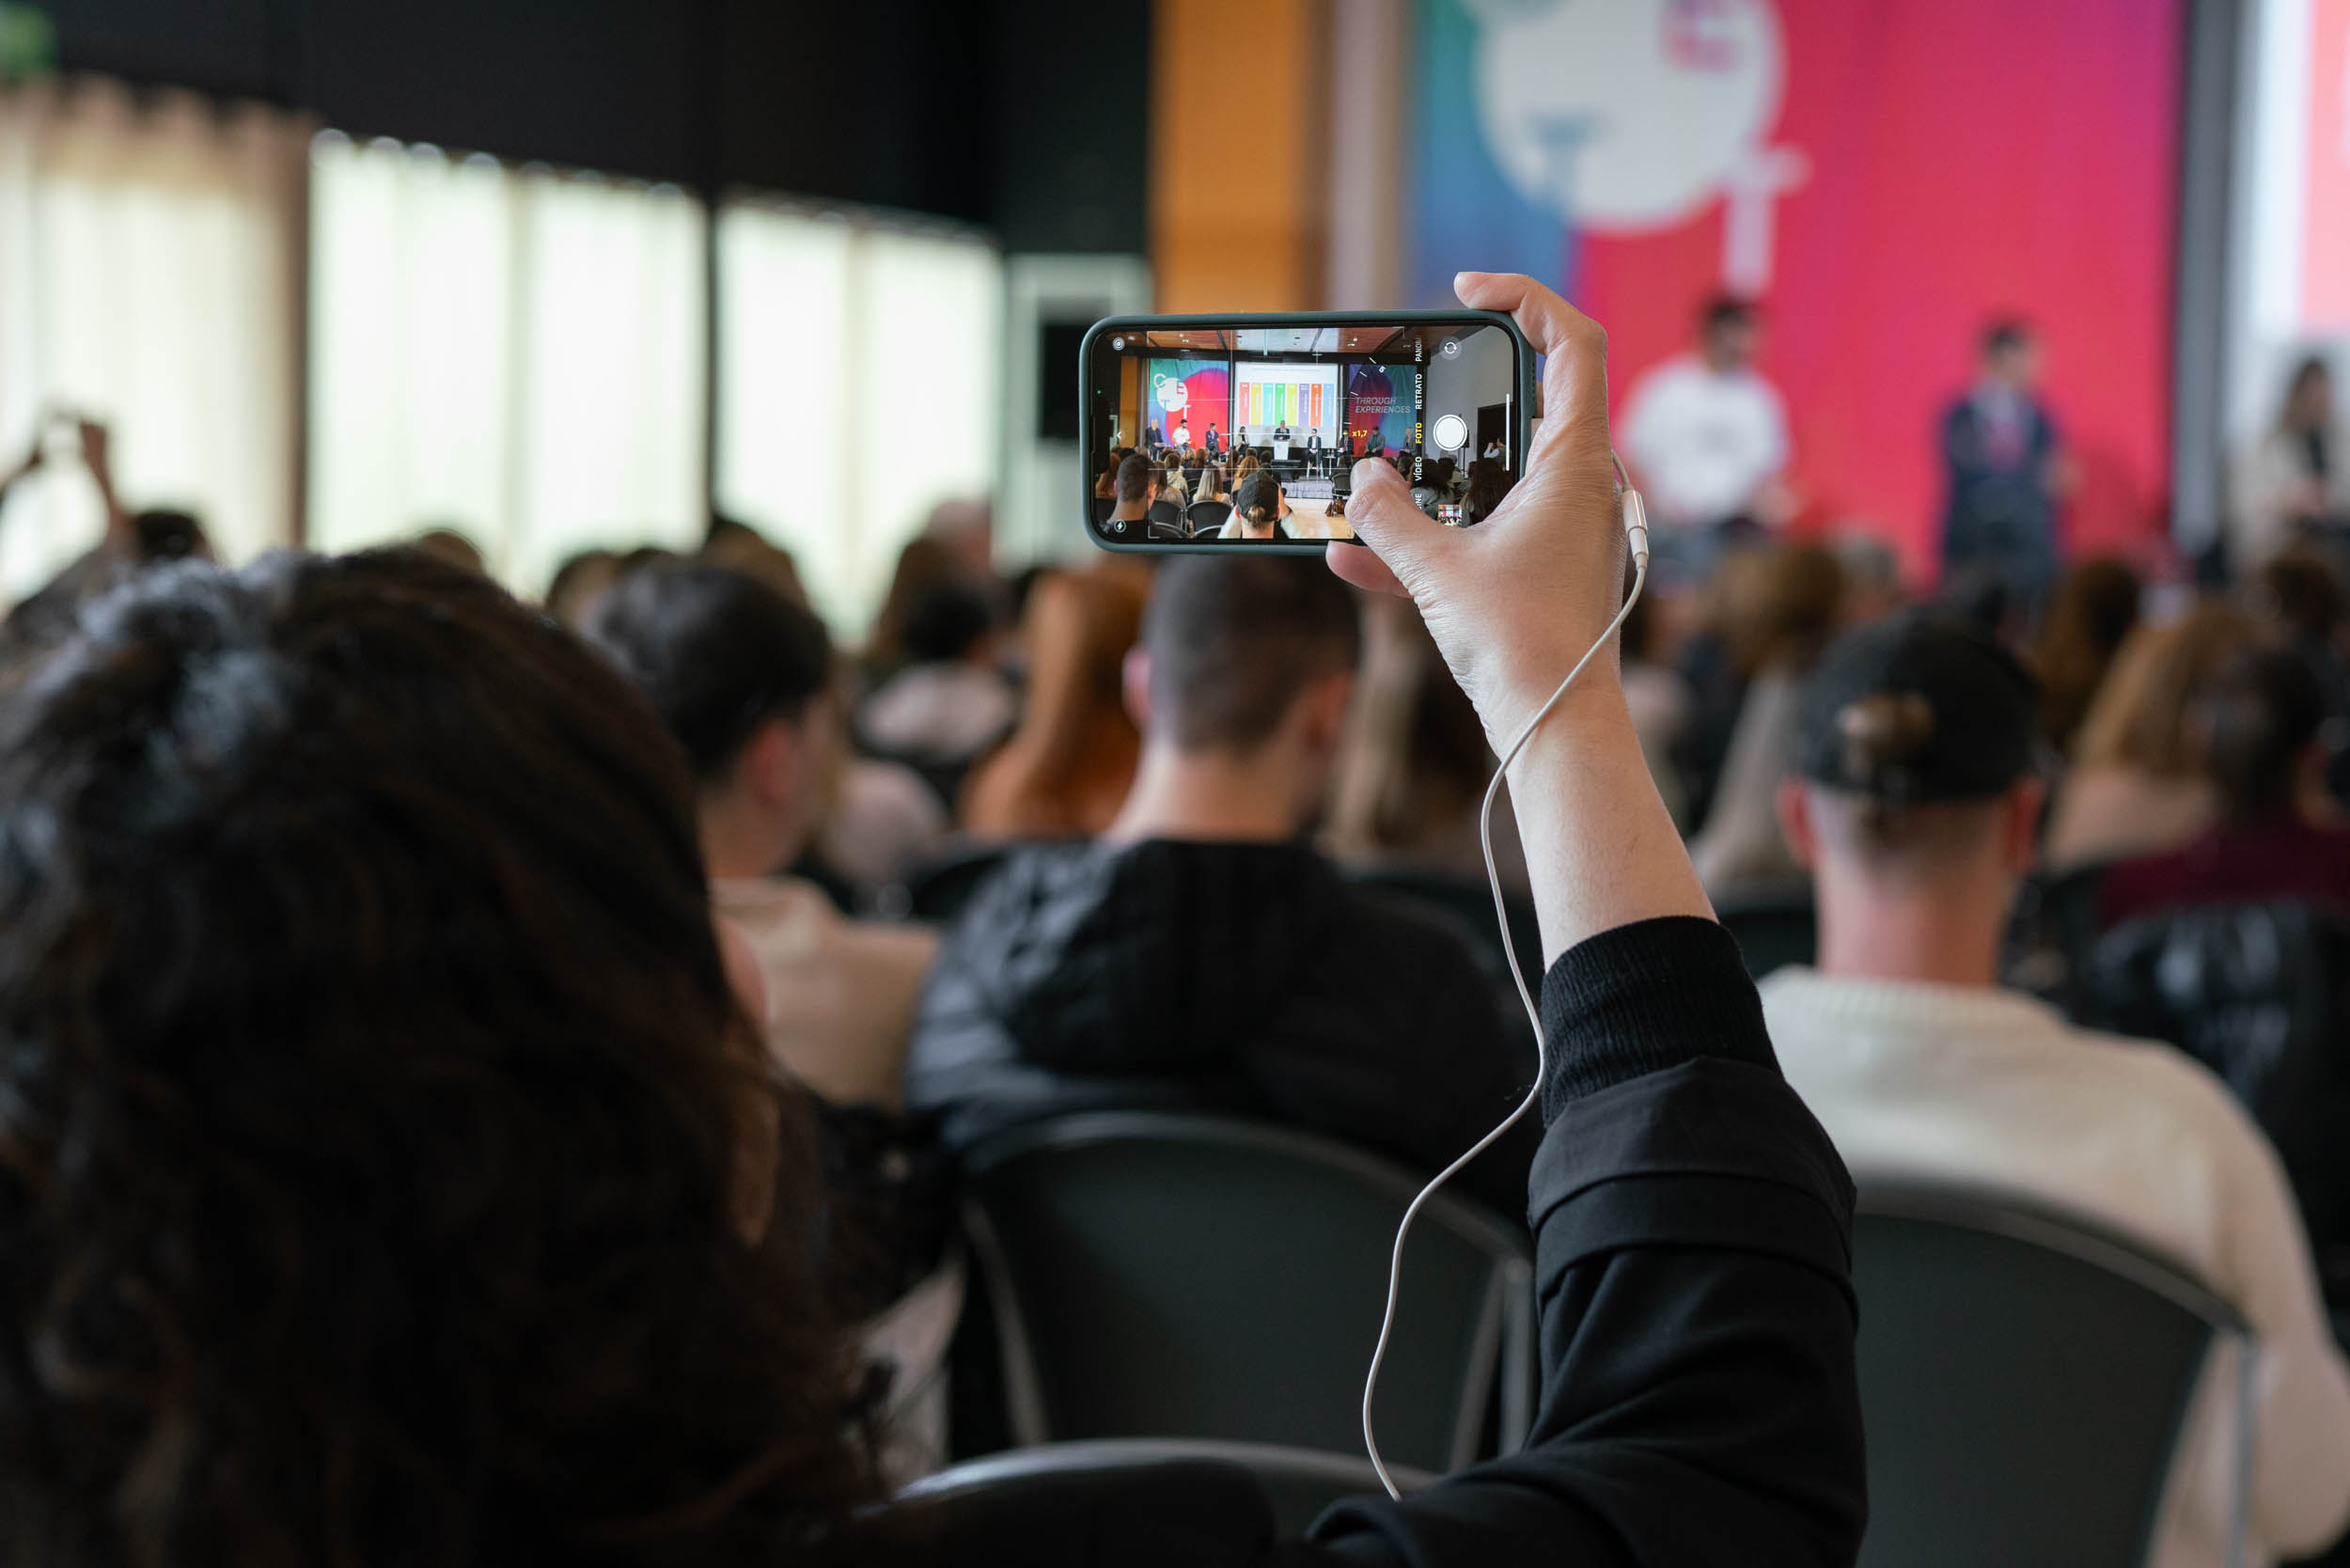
(1251, 432)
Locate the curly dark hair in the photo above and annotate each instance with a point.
(376, 1122)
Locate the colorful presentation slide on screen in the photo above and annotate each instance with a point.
(1267, 396)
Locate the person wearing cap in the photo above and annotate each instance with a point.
(1915, 803)
(1258, 509)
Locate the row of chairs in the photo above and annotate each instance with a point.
(1166, 520)
(1170, 1287)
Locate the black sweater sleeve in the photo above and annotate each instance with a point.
(1692, 1227)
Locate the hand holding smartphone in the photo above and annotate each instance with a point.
(1240, 433)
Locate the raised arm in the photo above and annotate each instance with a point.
(1700, 1403)
(1513, 602)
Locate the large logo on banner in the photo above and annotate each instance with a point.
(1622, 116)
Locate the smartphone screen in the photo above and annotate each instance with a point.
(1243, 431)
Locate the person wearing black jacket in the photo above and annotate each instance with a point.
(1201, 955)
(392, 1175)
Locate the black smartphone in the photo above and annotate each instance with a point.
(1241, 432)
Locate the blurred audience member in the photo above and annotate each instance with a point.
(1658, 696)
(2260, 719)
(2296, 477)
(2138, 785)
(1706, 437)
(922, 564)
(967, 529)
(1780, 608)
(1872, 576)
(880, 821)
(949, 702)
(450, 546)
(743, 677)
(1199, 952)
(2093, 609)
(1916, 805)
(1413, 765)
(578, 583)
(738, 547)
(144, 540)
(2299, 595)
(131, 544)
(1065, 771)
(2003, 471)
(1488, 487)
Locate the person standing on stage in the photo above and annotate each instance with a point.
(1281, 443)
(2006, 471)
(1706, 438)
(1313, 452)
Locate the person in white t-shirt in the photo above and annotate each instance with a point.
(1916, 808)
(1706, 435)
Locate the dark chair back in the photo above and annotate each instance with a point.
(2055, 928)
(1175, 1275)
(1774, 927)
(2024, 1379)
(2260, 993)
(1469, 903)
(1298, 1483)
(1208, 516)
(1103, 507)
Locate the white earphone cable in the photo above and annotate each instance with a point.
(1636, 527)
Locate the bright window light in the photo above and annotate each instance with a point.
(858, 381)
(516, 353)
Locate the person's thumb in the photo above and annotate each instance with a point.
(1386, 518)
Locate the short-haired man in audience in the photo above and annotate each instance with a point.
(1916, 808)
(1138, 488)
(1201, 954)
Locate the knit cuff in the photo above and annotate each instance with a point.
(1643, 998)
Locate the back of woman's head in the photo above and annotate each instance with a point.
(718, 653)
(2141, 719)
(2092, 610)
(1780, 606)
(2260, 716)
(376, 1114)
(1078, 628)
(1414, 760)
(923, 561)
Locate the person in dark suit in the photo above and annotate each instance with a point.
(1314, 452)
(2005, 472)
(1216, 443)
